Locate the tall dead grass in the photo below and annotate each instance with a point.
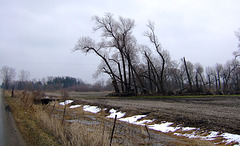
(74, 133)
(67, 133)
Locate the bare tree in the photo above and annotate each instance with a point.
(153, 39)
(219, 69)
(117, 34)
(117, 40)
(227, 73)
(8, 74)
(153, 75)
(211, 77)
(86, 44)
(199, 72)
(188, 66)
(24, 75)
(237, 53)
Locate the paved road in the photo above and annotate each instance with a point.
(9, 135)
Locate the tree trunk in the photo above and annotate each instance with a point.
(129, 73)
(134, 82)
(120, 74)
(155, 74)
(196, 77)
(162, 73)
(149, 77)
(188, 76)
(111, 71)
(216, 82)
(124, 73)
(219, 82)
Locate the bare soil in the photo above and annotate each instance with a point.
(220, 113)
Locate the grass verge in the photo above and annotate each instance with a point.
(39, 127)
(27, 124)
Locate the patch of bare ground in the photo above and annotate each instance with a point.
(208, 113)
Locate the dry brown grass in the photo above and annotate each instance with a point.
(38, 127)
(32, 133)
(73, 133)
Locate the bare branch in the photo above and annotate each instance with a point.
(84, 44)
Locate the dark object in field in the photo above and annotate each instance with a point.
(7, 108)
(44, 101)
(122, 94)
(12, 91)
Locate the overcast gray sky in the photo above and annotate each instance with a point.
(38, 36)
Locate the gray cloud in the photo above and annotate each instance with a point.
(38, 35)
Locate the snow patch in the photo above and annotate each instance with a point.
(132, 119)
(75, 106)
(212, 135)
(143, 122)
(66, 102)
(192, 135)
(114, 112)
(187, 128)
(231, 137)
(92, 109)
(164, 127)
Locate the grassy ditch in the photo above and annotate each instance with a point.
(27, 124)
(39, 127)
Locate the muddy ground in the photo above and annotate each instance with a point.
(208, 113)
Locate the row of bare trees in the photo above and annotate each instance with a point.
(8, 75)
(135, 68)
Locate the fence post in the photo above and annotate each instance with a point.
(113, 129)
(148, 132)
(53, 107)
(64, 113)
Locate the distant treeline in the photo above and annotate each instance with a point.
(58, 83)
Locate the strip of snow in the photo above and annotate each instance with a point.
(114, 112)
(132, 119)
(187, 128)
(231, 137)
(71, 121)
(164, 127)
(75, 106)
(212, 135)
(92, 109)
(66, 102)
(189, 135)
(195, 135)
(46, 97)
(143, 122)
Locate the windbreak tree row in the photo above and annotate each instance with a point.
(135, 68)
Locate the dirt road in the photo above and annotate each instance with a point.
(210, 113)
(9, 135)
